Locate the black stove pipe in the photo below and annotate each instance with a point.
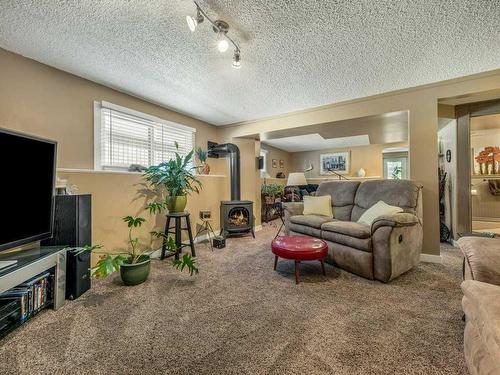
(234, 165)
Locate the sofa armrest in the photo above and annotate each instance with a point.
(396, 245)
(401, 219)
(291, 209)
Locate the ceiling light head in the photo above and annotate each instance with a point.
(193, 22)
(237, 60)
(222, 43)
(220, 26)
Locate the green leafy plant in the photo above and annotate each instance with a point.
(272, 190)
(110, 262)
(201, 154)
(175, 175)
(134, 222)
(186, 261)
(176, 178)
(107, 264)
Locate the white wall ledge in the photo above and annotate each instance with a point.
(98, 171)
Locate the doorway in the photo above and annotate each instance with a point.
(485, 174)
(478, 167)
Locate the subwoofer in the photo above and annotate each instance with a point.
(77, 273)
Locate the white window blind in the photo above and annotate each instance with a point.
(127, 137)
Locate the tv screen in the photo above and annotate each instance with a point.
(27, 188)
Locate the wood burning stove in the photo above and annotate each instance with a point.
(236, 216)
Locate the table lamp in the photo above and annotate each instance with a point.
(296, 179)
(265, 176)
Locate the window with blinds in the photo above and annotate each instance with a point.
(128, 137)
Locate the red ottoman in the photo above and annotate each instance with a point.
(299, 248)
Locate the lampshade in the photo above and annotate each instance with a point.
(296, 179)
(264, 174)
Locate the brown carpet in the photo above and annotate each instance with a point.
(238, 316)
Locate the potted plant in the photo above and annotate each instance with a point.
(176, 176)
(202, 155)
(271, 191)
(135, 264)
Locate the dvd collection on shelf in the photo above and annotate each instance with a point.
(20, 303)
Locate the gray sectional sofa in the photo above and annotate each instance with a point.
(382, 251)
(481, 304)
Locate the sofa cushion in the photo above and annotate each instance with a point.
(399, 193)
(363, 244)
(297, 229)
(379, 209)
(342, 193)
(348, 228)
(313, 221)
(318, 205)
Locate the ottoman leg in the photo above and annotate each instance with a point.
(275, 261)
(297, 272)
(323, 266)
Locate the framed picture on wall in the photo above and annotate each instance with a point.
(282, 163)
(338, 162)
(275, 163)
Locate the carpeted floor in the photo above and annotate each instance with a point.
(238, 316)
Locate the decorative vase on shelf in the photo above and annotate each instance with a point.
(205, 168)
(202, 156)
(361, 172)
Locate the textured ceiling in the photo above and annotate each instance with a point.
(296, 54)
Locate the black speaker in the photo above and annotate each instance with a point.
(73, 228)
(72, 221)
(260, 163)
(77, 273)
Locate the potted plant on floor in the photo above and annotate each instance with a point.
(135, 264)
(177, 178)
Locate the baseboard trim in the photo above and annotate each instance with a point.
(257, 228)
(429, 258)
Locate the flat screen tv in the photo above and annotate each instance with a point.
(28, 168)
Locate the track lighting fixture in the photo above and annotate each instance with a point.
(219, 27)
(236, 60)
(193, 22)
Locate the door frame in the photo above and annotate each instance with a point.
(463, 114)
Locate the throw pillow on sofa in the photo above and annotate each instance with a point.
(378, 209)
(321, 205)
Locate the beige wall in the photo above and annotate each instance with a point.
(114, 195)
(367, 157)
(422, 104)
(50, 103)
(277, 154)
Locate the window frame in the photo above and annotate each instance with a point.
(100, 105)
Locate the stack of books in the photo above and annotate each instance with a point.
(32, 295)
